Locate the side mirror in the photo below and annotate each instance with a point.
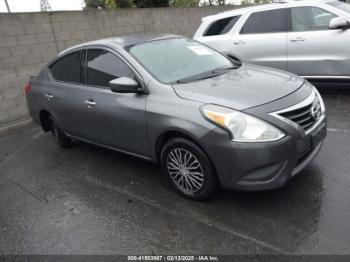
(339, 23)
(124, 85)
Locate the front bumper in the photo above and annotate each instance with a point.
(262, 166)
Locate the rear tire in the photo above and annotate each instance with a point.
(189, 169)
(59, 136)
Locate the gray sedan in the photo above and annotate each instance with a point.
(208, 120)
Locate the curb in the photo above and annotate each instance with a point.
(15, 124)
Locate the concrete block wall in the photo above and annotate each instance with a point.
(29, 40)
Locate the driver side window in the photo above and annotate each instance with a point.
(103, 66)
(310, 19)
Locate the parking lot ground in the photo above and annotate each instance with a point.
(89, 200)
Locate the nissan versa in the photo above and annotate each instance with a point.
(209, 121)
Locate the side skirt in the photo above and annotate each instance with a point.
(111, 148)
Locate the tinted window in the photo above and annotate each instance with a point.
(69, 68)
(310, 19)
(221, 26)
(103, 66)
(55, 69)
(273, 21)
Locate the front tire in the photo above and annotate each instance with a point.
(189, 169)
(59, 136)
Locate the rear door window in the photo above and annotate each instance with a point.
(272, 21)
(55, 70)
(221, 26)
(68, 68)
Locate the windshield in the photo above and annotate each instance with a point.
(341, 5)
(176, 59)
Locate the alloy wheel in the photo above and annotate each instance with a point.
(185, 170)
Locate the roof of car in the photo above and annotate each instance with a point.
(277, 4)
(123, 40)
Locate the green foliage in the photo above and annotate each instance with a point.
(151, 3)
(111, 4)
(114, 4)
(124, 3)
(94, 4)
(184, 3)
(214, 2)
(107, 4)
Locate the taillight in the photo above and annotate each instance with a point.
(27, 88)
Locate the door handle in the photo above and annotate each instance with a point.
(48, 96)
(239, 42)
(89, 103)
(297, 39)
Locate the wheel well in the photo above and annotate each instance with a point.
(162, 139)
(45, 120)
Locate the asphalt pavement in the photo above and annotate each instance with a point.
(89, 200)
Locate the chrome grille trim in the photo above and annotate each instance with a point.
(300, 115)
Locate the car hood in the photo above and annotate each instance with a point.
(242, 88)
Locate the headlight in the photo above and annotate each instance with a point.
(241, 127)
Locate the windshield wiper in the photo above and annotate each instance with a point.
(197, 78)
(206, 75)
(217, 70)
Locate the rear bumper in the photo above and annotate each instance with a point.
(262, 166)
(35, 118)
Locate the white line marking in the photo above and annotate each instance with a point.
(337, 130)
(37, 135)
(204, 220)
(12, 155)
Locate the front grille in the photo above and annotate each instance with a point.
(305, 116)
